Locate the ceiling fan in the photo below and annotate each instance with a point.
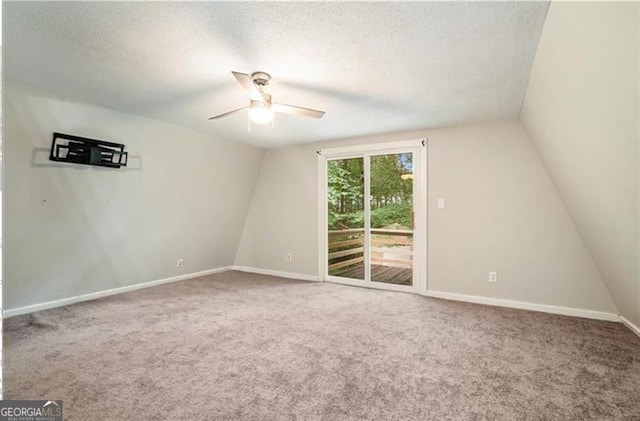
(261, 108)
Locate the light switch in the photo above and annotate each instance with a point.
(440, 203)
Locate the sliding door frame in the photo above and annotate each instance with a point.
(418, 148)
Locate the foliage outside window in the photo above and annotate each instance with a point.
(391, 192)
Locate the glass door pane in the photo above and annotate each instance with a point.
(345, 218)
(391, 214)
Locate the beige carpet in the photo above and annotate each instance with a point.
(241, 346)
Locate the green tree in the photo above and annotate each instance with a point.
(345, 182)
(391, 191)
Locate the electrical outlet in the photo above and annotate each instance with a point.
(289, 257)
(493, 276)
(179, 263)
(441, 203)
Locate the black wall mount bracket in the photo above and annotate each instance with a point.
(82, 150)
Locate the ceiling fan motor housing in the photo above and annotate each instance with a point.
(261, 78)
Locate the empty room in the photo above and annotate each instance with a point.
(320, 210)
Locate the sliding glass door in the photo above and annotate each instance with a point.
(345, 204)
(370, 231)
(391, 219)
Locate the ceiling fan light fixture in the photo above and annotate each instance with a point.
(261, 108)
(260, 113)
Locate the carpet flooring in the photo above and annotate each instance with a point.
(245, 346)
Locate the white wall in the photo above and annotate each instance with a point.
(581, 112)
(502, 214)
(72, 229)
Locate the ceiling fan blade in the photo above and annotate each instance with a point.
(301, 111)
(247, 83)
(229, 113)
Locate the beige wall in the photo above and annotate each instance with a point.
(581, 112)
(72, 229)
(502, 214)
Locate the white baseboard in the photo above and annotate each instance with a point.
(566, 311)
(522, 305)
(270, 272)
(635, 329)
(105, 293)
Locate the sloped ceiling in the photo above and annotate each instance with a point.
(581, 112)
(373, 67)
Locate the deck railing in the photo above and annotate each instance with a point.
(388, 248)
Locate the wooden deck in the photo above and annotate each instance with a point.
(379, 273)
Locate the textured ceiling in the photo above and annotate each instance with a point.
(373, 67)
